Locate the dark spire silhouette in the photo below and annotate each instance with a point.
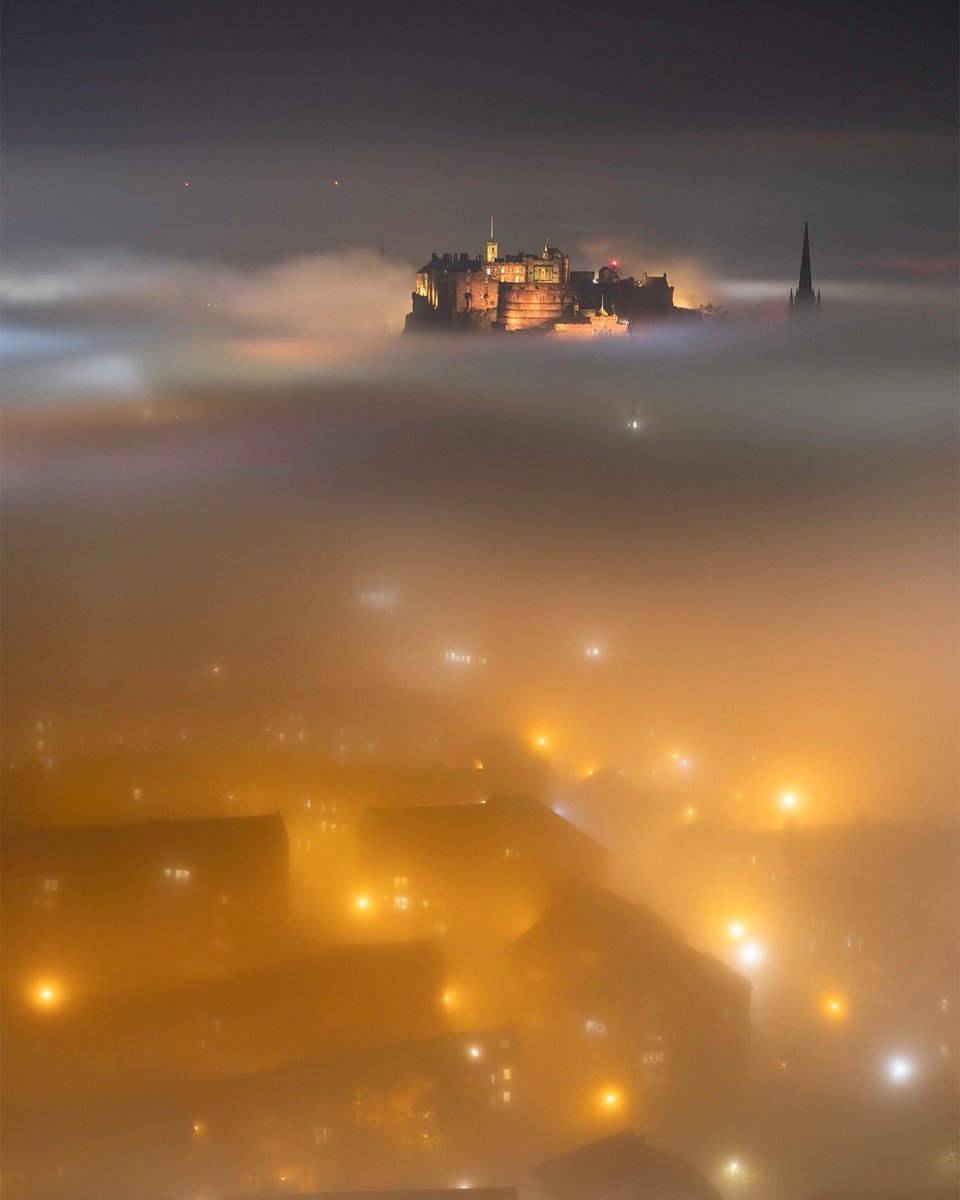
(805, 299)
(806, 275)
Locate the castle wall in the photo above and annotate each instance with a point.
(533, 305)
(591, 326)
(472, 291)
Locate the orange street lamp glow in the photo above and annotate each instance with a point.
(611, 1099)
(834, 1008)
(46, 995)
(736, 930)
(362, 903)
(788, 801)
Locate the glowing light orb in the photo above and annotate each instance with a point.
(899, 1069)
(46, 995)
(474, 1051)
(834, 1008)
(788, 801)
(610, 1099)
(751, 954)
(736, 930)
(362, 903)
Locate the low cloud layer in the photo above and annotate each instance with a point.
(123, 322)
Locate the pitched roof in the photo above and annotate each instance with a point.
(95, 839)
(612, 1164)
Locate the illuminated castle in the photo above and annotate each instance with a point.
(805, 300)
(532, 293)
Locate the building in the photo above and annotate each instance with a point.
(96, 907)
(533, 293)
(865, 914)
(615, 1007)
(480, 871)
(346, 998)
(619, 1166)
(385, 1116)
(805, 300)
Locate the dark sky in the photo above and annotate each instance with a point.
(688, 130)
(314, 75)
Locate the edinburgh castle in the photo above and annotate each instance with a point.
(530, 293)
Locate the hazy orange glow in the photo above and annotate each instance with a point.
(833, 1007)
(47, 994)
(611, 1099)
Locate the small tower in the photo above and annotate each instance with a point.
(492, 247)
(805, 300)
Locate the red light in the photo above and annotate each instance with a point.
(614, 262)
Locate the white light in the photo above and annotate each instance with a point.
(592, 652)
(788, 801)
(900, 1069)
(751, 954)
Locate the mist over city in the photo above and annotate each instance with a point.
(480, 603)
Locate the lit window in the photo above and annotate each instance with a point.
(597, 1028)
(400, 881)
(512, 852)
(506, 1097)
(401, 902)
(180, 874)
(507, 1073)
(51, 885)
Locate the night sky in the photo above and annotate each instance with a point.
(685, 132)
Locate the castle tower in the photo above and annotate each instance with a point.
(805, 299)
(492, 247)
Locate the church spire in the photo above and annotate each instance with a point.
(804, 299)
(806, 278)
